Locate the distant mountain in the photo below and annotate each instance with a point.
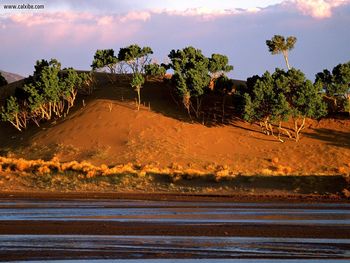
(11, 77)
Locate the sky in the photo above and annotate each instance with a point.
(72, 30)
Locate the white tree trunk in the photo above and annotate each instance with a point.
(285, 55)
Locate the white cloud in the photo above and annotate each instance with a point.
(318, 8)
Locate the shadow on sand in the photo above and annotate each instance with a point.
(331, 137)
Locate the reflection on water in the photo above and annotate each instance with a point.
(186, 248)
(180, 246)
(177, 212)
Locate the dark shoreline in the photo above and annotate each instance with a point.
(39, 227)
(176, 196)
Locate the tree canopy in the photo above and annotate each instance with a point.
(273, 99)
(336, 85)
(278, 44)
(135, 57)
(191, 74)
(155, 70)
(218, 65)
(49, 93)
(104, 58)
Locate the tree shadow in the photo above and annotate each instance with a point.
(331, 137)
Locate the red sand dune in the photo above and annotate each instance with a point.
(107, 128)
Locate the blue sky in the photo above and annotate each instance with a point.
(72, 30)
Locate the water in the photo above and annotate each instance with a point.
(133, 247)
(175, 212)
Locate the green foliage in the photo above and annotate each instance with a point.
(223, 85)
(336, 86)
(135, 57)
(155, 70)
(191, 75)
(278, 44)
(88, 83)
(264, 101)
(11, 113)
(49, 93)
(304, 98)
(272, 99)
(3, 81)
(218, 65)
(137, 81)
(104, 58)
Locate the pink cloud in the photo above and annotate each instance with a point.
(73, 28)
(135, 16)
(201, 12)
(105, 20)
(29, 19)
(318, 8)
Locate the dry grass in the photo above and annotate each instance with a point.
(175, 172)
(87, 170)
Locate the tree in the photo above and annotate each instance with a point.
(304, 98)
(278, 44)
(273, 99)
(3, 81)
(218, 65)
(336, 85)
(11, 112)
(264, 102)
(49, 93)
(135, 57)
(223, 86)
(191, 76)
(137, 81)
(155, 70)
(105, 58)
